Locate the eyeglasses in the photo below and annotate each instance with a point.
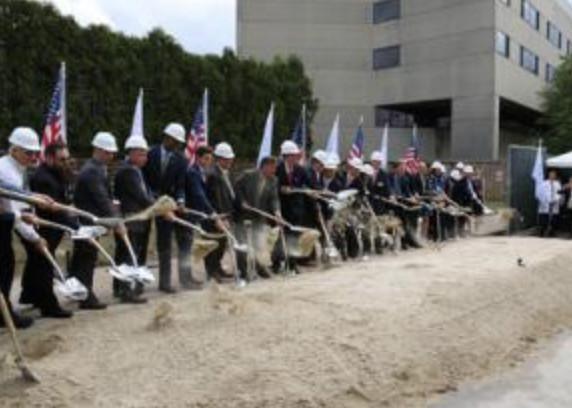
(30, 153)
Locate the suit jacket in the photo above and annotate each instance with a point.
(196, 191)
(315, 180)
(92, 192)
(379, 188)
(293, 205)
(221, 194)
(131, 189)
(172, 181)
(253, 189)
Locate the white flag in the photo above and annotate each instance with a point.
(333, 145)
(266, 145)
(206, 114)
(384, 146)
(137, 127)
(538, 172)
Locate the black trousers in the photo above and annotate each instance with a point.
(139, 236)
(184, 239)
(37, 278)
(83, 263)
(213, 260)
(547, 224)
(7, 261)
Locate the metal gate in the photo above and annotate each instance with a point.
(520, 162)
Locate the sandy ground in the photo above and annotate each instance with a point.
(395, 331)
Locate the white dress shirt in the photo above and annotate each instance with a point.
(14, 173)
(549, 197)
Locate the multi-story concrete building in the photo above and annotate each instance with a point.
(468, 72)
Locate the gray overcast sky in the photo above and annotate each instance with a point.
(200, 26)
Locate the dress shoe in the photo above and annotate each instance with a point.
(132, 298)
(169, 290)
(20, 322)
(92, 304)
(57, 313)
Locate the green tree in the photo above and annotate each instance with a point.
(106, 69)
(557, 104)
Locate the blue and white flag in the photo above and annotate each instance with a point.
(266, 145)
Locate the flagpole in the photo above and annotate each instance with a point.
(304, 135)
(206, 114)
(63, 103)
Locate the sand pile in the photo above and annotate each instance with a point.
(392, 332)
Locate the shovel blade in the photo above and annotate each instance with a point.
(88, 232)
(123, 273)
(72, 289)
(143, 275)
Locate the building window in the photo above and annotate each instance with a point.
(528, 60)
(387, 57)
(502, 44)
(394, 119)
(386, 10)
(505, 2)
(530, 14)
(554, 35)
(550, 73)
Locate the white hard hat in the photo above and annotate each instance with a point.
(356, 163)
(456, 174)
(368, 169)
(136, 142)
(437, 165)
(105, 141)
(26, 138)
(377, 156)
(320, 155)
(460, 166)
(332, 162)
(289, 147)
(176, 131)
(468, 169)
(224, 151)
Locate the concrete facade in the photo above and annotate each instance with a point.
(450, 77)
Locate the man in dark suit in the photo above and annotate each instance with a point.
(197, 198)
(133, 194)
(52, 178)
(257, 188)
(290, 176)
(165, 175)
(93, 194)
(222, 197)
(379, 184)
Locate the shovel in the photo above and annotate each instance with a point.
(142, 273)
(27, 373)
(70, 288)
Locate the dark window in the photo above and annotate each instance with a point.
(554, 35)
(550, 73)
(505, 2)
(387, 57)
(530, 14)
(502, 44)
(395, 119)
(528, 60)
(386, 10)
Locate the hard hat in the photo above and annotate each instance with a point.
(176, 131)
(437, 165)
(377, 156)
(289, 147)
(368, 170)
(331, 163)
(105, 141)
(224, 151)
(456, 174)
(136, 142)
(320, 155)
(26, 138)
(468, 169)
(356, 163)
(460, 166)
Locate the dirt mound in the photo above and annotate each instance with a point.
(395, 331)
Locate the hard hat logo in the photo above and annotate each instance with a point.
(26, 138)
(105, 141)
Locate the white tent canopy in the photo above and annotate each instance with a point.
(562, 162)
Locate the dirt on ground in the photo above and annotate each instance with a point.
(393, 331)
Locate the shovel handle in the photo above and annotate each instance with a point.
(125, 238)
(50, 224)
(50, 258)
(268, 216)
(10, 325)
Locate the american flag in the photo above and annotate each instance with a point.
(356, 150)
(198, 135)
(55, 129)
(411, 156)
